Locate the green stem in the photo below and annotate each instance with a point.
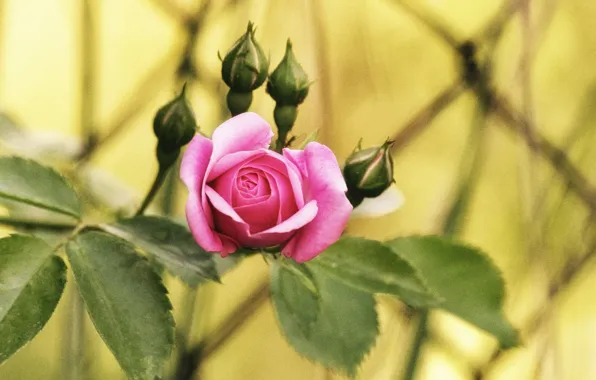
(74, 339)
(168, 201)
(34, 224)
(416, 348)
(281, 141)
(159, 179)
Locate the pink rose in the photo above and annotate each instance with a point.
(241, 194)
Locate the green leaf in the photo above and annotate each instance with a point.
(126, 302)
(293, 290)
(371, 266)
(345, 328)
(470, 284)
(170, 244)
(28, 182)
(31, 283)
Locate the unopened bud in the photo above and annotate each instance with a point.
(245, 66)
(368, 172)
(288, 84)
(175, 124)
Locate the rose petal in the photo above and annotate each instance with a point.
(328, 188)
(221, 205)
(276, 161)
(303, 216)
(192, 172)
(228, 162)
(245, 132)
(262, 215)
(281, 186)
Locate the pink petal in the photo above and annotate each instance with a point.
(282, 189)
(303, 216)
(287, 168)
(328, 188)
(192, 172)
(245, 132)
(228, 162)
(221, 205)
(262, 215)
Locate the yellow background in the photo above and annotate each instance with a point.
(375, 66)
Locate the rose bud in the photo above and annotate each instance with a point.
(174, 124)
(243, 195)
(368, 172)
(244, 68)
(288, 85)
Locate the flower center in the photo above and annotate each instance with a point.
(251, 183)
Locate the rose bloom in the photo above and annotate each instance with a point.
(241, 194)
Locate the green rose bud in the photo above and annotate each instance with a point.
(288, 84)
(245, 66)
(368, 172)
(174, 124)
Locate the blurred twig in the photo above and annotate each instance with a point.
(424, 117)
(87, 61)
(321, 51)
(171, 8)
(438, 28)
(557, 157)
(146, 90)
(247, 308)
(572, 270)
(215, 340)
(493, 30)
(468, 175)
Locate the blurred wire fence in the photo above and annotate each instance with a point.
(556, 179)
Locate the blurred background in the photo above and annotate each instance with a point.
(81, 80)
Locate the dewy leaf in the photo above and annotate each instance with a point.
(170, 244)
(293, 291)
(31, 283)
(371, 266)
(126, 301)
(345, 328)
(28, 182)
(470, 284)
